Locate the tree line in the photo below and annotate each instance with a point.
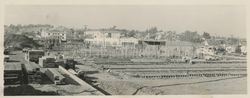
(151, 33)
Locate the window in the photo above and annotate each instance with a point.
(109, 35)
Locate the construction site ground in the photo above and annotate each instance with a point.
(46, 87)
(124, 85)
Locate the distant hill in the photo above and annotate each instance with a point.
(19, 41)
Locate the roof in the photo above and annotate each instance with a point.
(30, 66)
(56, 72)
(35, 50)
(172, 43)
(129, 38)
(105, 30)
(61, 31)
(176, 43)
(48, 56)
(151, 40)
(12, 67)
(72, 71)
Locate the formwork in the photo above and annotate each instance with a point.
(33, 72)
(55, 76)
(13, 73)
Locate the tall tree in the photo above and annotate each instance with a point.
(191, 37)
(152, 32)
(206, 35)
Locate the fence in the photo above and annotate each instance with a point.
(130, 51)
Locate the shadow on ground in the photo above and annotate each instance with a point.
(11, 54)
(91, 72)
(25, 90)
(10, 61)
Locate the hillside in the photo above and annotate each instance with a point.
(19, 41)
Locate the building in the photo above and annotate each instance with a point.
(128, 41)
(52, 39)
(48, 62)
(163, 48)
(230, 49)
(103, 37)
(54, 34)
(33, 72)
(55, 76)
(178, 49)
(34, 55)
(243, 50)
(203, 51)
(13, 73)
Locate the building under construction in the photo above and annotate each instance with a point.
(13, 73)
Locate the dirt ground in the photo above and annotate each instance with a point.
(117, 85)
(123, 85)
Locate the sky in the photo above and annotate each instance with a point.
(215, 19)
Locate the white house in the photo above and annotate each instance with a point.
(128, 41)
(54, 34)
(103, 37)
(205, 51)
(230, 49)
(243, 49)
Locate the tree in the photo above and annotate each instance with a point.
(132, 33)
(206, 35)
(72, 30)
(190, 36)
(238, 49)
(170, 35)
(152, 32)
(232, 41)
(114, 27)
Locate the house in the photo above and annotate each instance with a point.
(243, 50)
(128, 41)
(230, 49)
(203, 51)
(94, 34)
(54, 34)
(103, 37)
(53, 38)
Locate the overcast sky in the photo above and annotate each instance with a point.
(217, 20)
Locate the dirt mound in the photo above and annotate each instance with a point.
(19, 41)
(126, 88)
